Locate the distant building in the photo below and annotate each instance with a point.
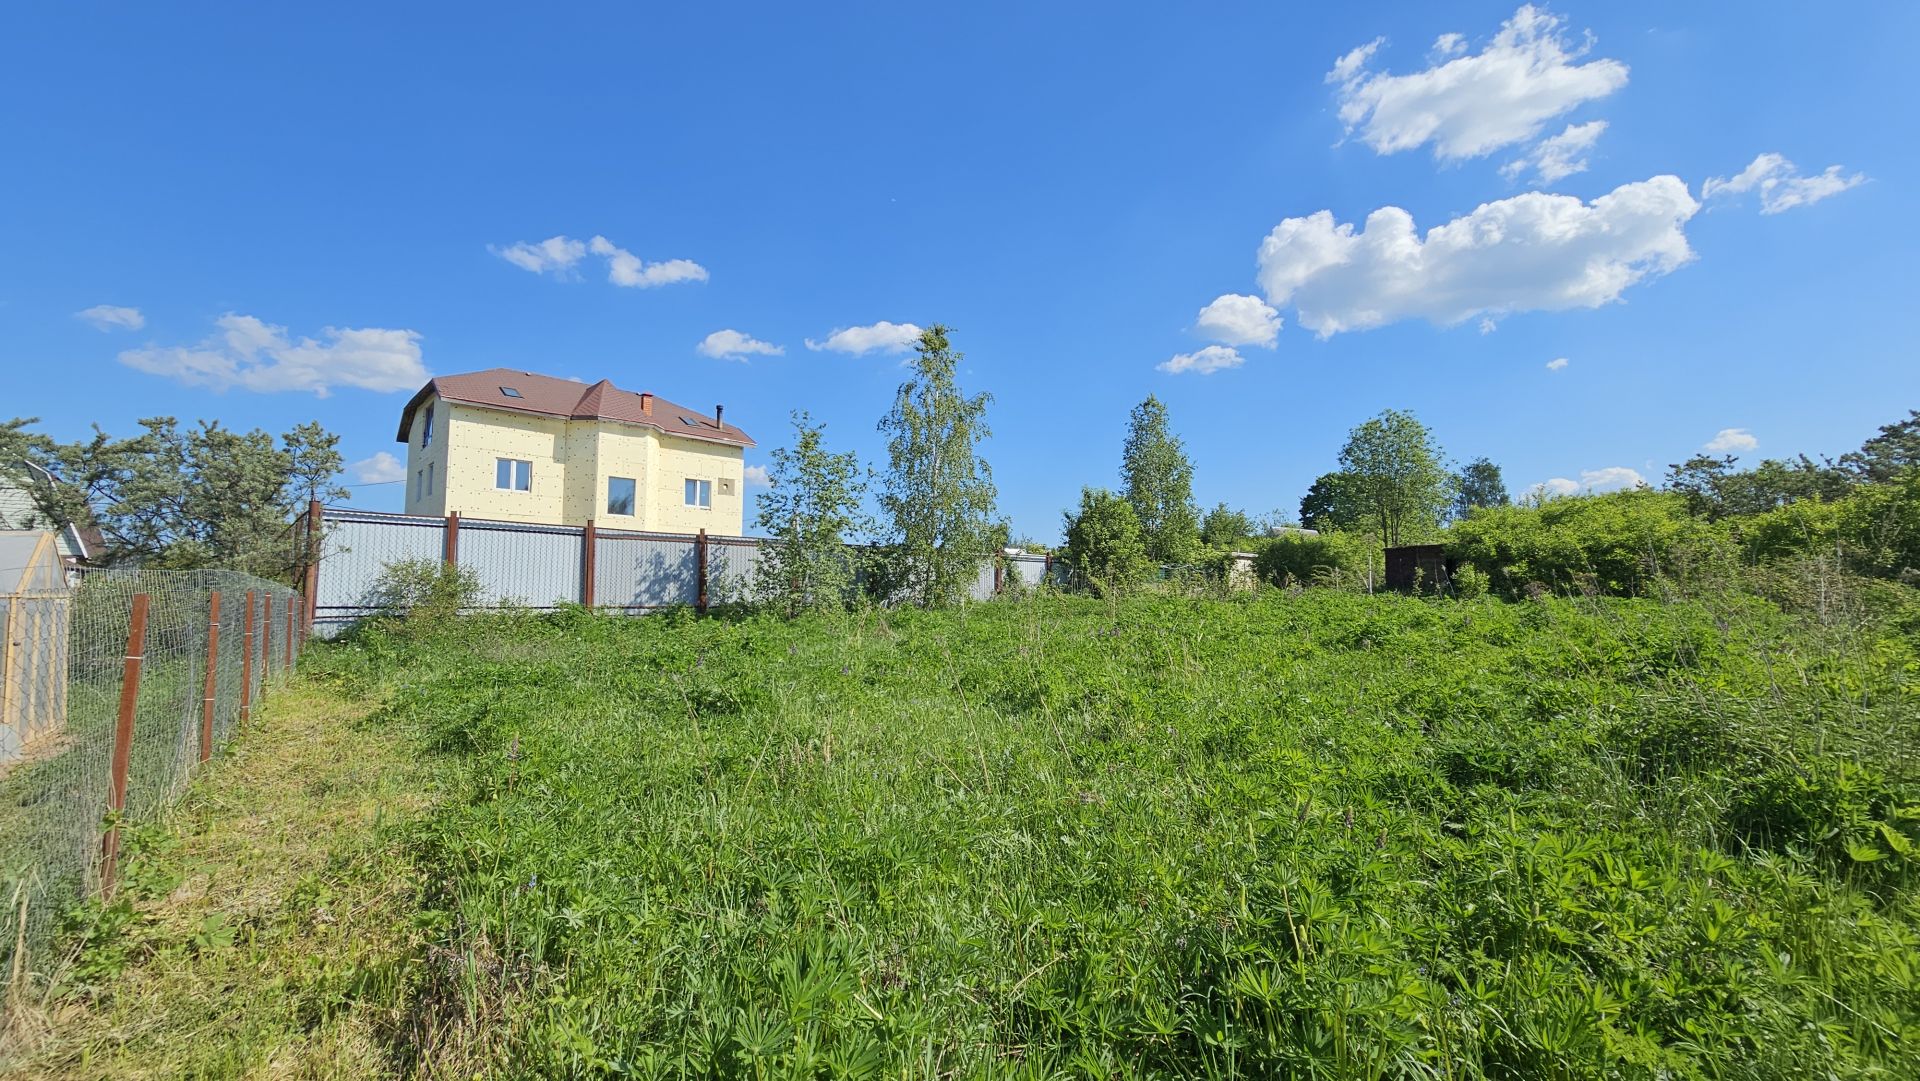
(521, 447)
(78, 545)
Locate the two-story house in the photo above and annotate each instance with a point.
(521, 447)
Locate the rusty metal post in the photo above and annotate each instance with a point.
(587, 546)
(246, 664)
(311, 579)
(123, 739)
(999, 574)
(287, 666)
(213, 667)
(266, 642)
(700, 569)
(450, 546)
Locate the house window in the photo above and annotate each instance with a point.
(512, 474)
(429, 478)
(699, 493)
(619, 495)
(426, 428)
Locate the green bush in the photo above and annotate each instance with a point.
(1333, 559)
(425, 591)
(1104, 544)
(1617, 544)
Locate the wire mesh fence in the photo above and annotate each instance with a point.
(214, 642)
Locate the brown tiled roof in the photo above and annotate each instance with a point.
(572, 400)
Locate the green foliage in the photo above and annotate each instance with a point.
(425, 592)
(1331, 503)
(1158, 480)
(1891, 451)
(1223, 527)
(1470, 582)
(1348, 560)
(1479, 485)
(1316, 836)
(1619, 543)
(1394, 477)
(808, 512)
(1714, 489)
(938, 492)
(200, 497)
(1104, 543)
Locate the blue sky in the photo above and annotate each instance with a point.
(1068, 186)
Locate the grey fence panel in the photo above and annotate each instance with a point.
(533, 565)
(356, 548)
(982, 588)
(1031, 570)
(644, 570)
(732, 565)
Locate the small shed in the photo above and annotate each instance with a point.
(35, 617)
(1418, 568)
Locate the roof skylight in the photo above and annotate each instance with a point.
(510, 392)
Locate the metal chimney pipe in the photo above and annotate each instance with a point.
(717, 411)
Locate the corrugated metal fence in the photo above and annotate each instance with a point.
(540, 566)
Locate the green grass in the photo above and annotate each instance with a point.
(1320, 835)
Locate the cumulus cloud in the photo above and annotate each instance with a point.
(560, 255)
(1531, 252)
(554, 255)
(382, 468)
(1471, 105)
(258, 356)
(1613, 478)
(1213, 358)
(1780, 184)
(881, 337)
(626, 268)
(733, 345)
(1557, 364)
(756, 477)
(1239, 320)
(1732, 441)
(110, 317)
(1559, 157)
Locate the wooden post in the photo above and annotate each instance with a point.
(123, 739)
(450, 548)
(999, 574)
(587, 547)
(315, 520)
(266, 642)
(213, 667)
(246, 664)
(9, 707)
(700, 569)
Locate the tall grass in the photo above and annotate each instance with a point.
(1324, 835)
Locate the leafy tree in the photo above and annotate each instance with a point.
(938, 491)
(809, 512)
(173, 497)
(1223, 526)
(1398, 483)
(1883, 456)
(1159, 485)
(1105, 542)
(1332, 502)
(1714, 489)
(1479, 485)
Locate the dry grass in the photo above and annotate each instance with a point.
(274, 922)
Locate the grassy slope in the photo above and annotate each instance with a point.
(1320, 836)
(267, 927)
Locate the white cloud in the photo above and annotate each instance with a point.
(1205, 361)
(1447, 45)
(1780, 183)
(1560, 156)
(756, 477)
(555, 255)
(382, 468)
(1530, 252)
(882, 336)
(258, 356)
(1557, 364)
(1731, 440)
(1467, 106)
(1613, 478)
(1239, 320)
(626, 268)
(110, 317)
(733, 345)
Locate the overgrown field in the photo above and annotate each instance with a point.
(1317, 835)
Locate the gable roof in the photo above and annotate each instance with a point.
(569, 399)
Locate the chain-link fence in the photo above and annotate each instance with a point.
(214, 641)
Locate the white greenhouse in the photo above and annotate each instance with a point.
(35, 613)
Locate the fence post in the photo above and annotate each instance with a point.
(286, 662)
(246, 664)
(213, 667)
(700, 569)
(587, 547)
(450, 548)
(7, 677)
(999, 574)
(266, 642)
(312, 576)
(123, 739)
